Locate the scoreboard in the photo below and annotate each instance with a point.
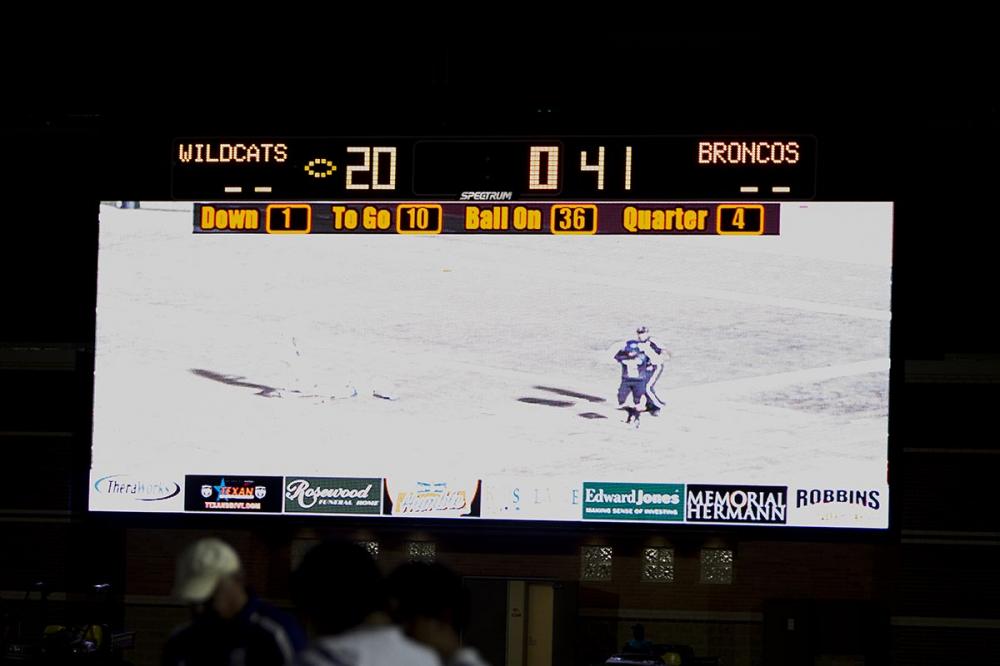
(471, 372)
(496, 169)
(426, 218)
(562, 186)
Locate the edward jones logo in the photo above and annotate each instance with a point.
(137, 489)
(761, 505)
(308, 494)
(633, 501)
(235, 492)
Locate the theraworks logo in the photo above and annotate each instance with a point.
(737, 504)
(811, 496)
(137, 488)
(633, 501)
(326, 495)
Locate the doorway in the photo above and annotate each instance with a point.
(516, 622)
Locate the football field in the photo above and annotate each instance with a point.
(239, 353)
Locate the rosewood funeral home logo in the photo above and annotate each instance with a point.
(332, 495)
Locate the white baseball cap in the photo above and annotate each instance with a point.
(201, 566)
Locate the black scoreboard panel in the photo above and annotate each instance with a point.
(564, 167)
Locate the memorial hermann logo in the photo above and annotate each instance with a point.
(737, 504)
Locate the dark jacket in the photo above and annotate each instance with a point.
(261, 635)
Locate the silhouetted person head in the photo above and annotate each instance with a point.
(230, 624)
(430, 603)
(638, 642)
(209, 578)
(338, 586)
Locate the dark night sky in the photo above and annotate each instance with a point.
(915, 113)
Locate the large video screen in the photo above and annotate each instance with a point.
(678, 378)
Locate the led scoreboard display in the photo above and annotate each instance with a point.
(588, 168)
(561, 218)
(475, 328)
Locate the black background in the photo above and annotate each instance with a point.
(903, 111)
(909, 116)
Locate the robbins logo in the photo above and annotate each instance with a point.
(430, 498)
(633, 501)
(811, 496)
(737, 504)
(316, 494)
(138, 489)
(232, 493)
